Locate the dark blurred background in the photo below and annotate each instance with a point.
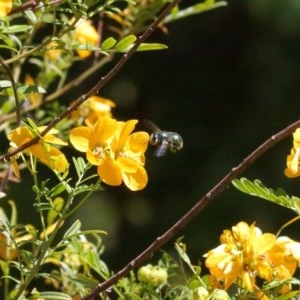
(229, 80)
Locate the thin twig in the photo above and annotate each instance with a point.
(193, 212)
(14, 87)
(72, 84)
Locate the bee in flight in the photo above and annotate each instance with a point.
(163, 140)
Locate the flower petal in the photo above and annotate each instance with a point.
(104, 131)
(138, 142)
(109, 172)
(51, 157)
(136, 181)
(20, 136)
(125, 132)
(79, 138)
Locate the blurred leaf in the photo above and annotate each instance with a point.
(130, 295)
(80, 165)
(57, 206)
(58, 189)
(50, 295)
(257, 188)
(108, 43)
(152, 46)
(31, 16)
(35, 127)
(93, 260)
(125, 44)
(192, 10)
(8, 42)
(27, 89)
(5, 83)
(181, 250)
(16, 28)
(74, 229)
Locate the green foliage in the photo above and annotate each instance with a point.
(55, 258)
(194, 9)
(258, 189)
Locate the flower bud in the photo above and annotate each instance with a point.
(152, 274)
(219, 295)
(200, 293)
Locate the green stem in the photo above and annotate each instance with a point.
(39, 262)
(45, 247)
(83, 200)
(64, 215)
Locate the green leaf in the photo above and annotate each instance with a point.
(108, 43)
(16, 28)
(58, 189)
(8, 41)
(125, 44)
(27, 89)
(57, 206)
(180, 248)
(192, 10)
(80, 165)
(31, 16)
(151, 46)
(93, 260)
(75, 227)
(5, 84)
(33, 125)
(53, 296)
(258, 189)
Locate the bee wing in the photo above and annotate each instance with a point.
(162, 149)
(150, 126)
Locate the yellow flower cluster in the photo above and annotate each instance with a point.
(85, 34)
(246, 254)
(118, 153)
(108, 143)
(92, 109)
(293, 159)
(42, 150)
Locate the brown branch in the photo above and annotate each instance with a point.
(100, 83)
(31, 4)
(14, 87)
(192, 213)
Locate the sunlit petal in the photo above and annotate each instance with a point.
(135, 181)
(49, 138)
(20, 136)
(125, 132)
(79, 138)
(138, 142)
(109, 172)
(104, 131)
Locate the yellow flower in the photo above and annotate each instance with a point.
(35, 98)
(284, 260)
(5, 7)
(8, 250)
(241, 256)
(42, 150)
(282, 255)
(118, 153)
(92, 109)
(52, 51)
(293, 159)
(87, 35)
